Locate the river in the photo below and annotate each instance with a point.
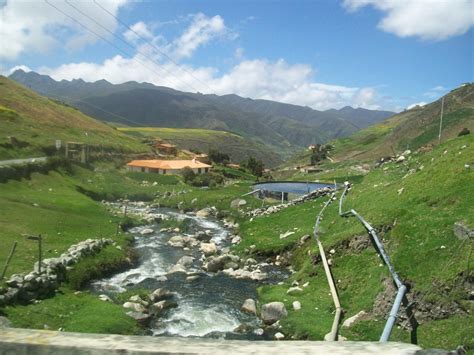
(208, 303)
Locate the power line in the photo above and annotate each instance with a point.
(101, 37)
(151, 44)
(128, 44)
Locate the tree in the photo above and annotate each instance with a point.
(255, 166)
(188, 174)
(217, 157)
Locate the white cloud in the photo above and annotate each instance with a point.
(421, 104)
(138, 30)
(426, 19)
(202, 30)
(258, 79)
(35, 26)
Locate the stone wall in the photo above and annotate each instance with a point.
(37, 285)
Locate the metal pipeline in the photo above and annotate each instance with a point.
(402, 289)
(333, 335)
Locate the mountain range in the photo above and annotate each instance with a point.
(284, 127)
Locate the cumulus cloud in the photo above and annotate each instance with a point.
(426, 19)
(202, 30)
(138, 30)
(258, 79)
(35, 26)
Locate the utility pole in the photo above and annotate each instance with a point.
(441, 120)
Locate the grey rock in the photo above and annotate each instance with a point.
(273, 312)
(462, 231)
(177, 268)
(249, 306)
(296, 305)
(185, 261)
(205, 212)
(161, 294)
(142, 318)
(159, 307)
(146, 231)
(137, 307)
(208, 248)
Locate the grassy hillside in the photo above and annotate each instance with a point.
(58, 206)
(238, 147)
(411, 129)
(414, 206)
(36, 122)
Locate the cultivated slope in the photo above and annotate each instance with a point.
(413, 128)
(277, 124)
(30, 124)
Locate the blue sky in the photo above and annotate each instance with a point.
(385, 54)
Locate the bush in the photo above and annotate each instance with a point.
(188, 174)
(217, 157)
(255, 166)
(210, 179)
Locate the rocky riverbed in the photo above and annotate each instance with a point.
(196, 286)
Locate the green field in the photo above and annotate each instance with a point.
(237, 147)
(417, 225)
(35, 122)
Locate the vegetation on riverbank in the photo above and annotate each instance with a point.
(415, 221)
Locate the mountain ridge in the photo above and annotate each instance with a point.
(284, 127)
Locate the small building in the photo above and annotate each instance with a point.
(234, 166)
(203, 158)
(166, 148)
(168, 166)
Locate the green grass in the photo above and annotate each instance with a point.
(36, 122)
(72, 312)
(420, 239)
(53, 206)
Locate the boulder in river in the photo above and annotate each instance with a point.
(208, 248)
(205, 212)
(137, 307)
(161, 294)
(272, 312)
(142, 318)
(159, 307)
(146, 231)
(249, 306)
(176, 241)
(177, 268)
(185, 261)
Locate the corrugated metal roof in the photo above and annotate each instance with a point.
(168, 164)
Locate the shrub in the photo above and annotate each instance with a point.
(188, 174)
(255, 166)
(218, 157)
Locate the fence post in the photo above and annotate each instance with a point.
(8, 261)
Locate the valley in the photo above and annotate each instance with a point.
(416, 204)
